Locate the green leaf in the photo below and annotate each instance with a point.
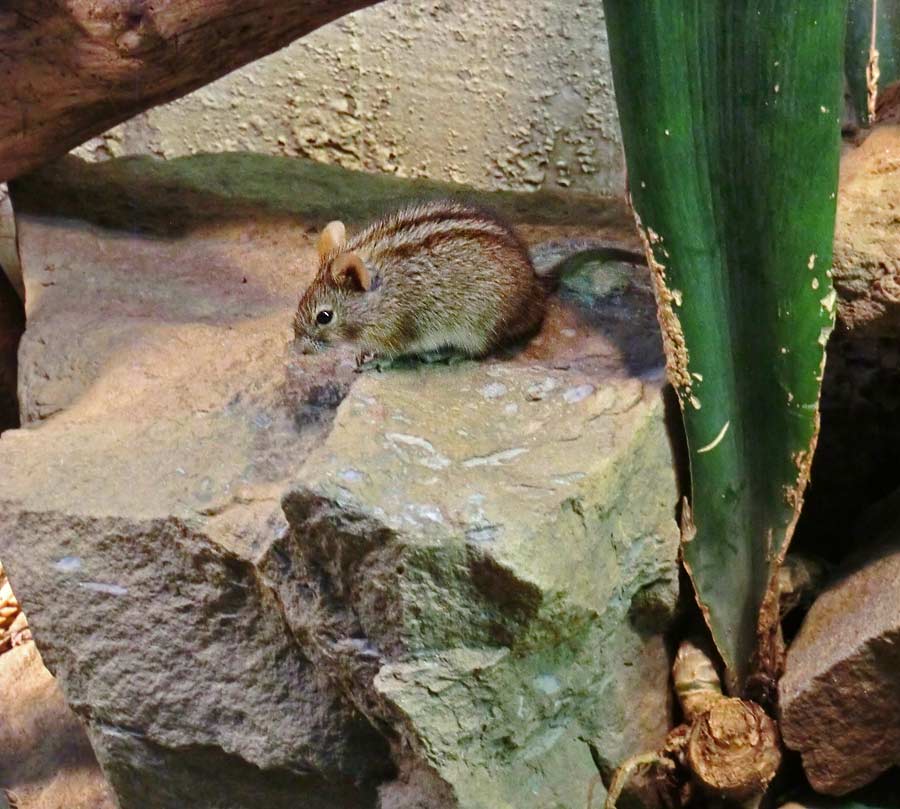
(859, 54)
(730, 115)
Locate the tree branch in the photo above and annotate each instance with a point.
(71, 69)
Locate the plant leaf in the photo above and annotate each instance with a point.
(730, 115)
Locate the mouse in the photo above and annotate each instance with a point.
(443, 277)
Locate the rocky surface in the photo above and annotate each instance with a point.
(261, 578)
(840, 695)
(46, 761)
(883, 794)
(866, 247)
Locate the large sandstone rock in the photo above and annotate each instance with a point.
(866, 243)
(840, 694)
(263, 579)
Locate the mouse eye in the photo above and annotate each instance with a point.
(324, 316)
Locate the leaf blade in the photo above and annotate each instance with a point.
(730, 119)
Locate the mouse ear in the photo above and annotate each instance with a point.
(333, 235)
(348, 268)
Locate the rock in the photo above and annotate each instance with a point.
(840, 694)
(262, 578)
(495, 578)
(12, 324)
(46, 761)
(172, 432)
(866, 243)
(882, 794)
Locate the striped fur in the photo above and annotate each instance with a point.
(444, 275)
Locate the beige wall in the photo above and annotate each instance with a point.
(498, 94)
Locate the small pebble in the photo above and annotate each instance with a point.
(494, 390)
(539, 390)
(573, 395)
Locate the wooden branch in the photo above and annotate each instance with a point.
(70, 69)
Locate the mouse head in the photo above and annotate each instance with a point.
(326, 312)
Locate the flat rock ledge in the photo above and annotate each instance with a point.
(840, 695)
(262, 579)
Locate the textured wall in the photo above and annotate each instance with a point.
(506, 94)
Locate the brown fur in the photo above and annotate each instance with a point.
(437, 276)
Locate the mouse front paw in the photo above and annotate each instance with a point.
(368, 361)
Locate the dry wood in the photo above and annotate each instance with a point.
(70, 69)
